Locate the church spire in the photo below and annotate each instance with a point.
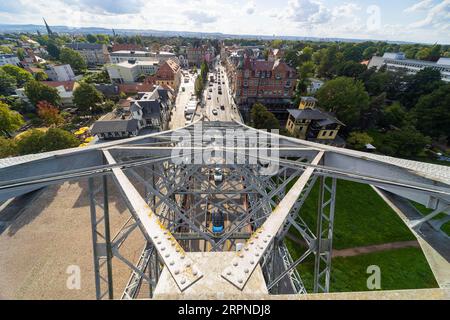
(49, 31)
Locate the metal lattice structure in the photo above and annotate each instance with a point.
(171, 192)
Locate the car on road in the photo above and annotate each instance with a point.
(210, 90)
(222, 107)
(223, 82)
(218, 221)
(218, 176)
(220, 91)
(186, 80)
(214, 112)
(188, 116)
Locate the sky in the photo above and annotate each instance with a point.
(426, 21)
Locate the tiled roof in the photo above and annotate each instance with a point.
(68, 85)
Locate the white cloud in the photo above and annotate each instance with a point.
(250, 8)
(107, 6)
(307, 12)
(200, 17)
(436, 16)
(419, 6)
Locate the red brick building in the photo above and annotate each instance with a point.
(169, 73)
(271, 83)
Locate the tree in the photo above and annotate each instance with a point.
(329, 59)
(36, 141)
(40, 76)
(406, 142)
(57, 139)
(9, 120)
(198, 86)
(8, 147)
(262, 118)
(359, 140)
(49, 114)
(351, 69)
(7, 83)
(346, 97)
(73, 58)
(422, 83)
(22, 76)
(87, 98)
(369, 52)
(31, 142)
(423, 54)
(371, 116)
(21, 54)
(433, 113)
(353, 53)
(53, 49)
(394, 115)
(37, 91)
(92, 38)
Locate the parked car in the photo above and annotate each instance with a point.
(222, 107)
(214, 112)
(218, 176)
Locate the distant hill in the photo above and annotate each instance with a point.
(32, 28)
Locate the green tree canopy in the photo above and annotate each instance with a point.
(36, 141)
(9, 120)
(262, 118)
(433, 113)
(87, 98)
(22, 76)
(37, 91)
(8, 147)
(345, 97)
(73, 58)
(7, 83)
(406, 142)
(359, 140)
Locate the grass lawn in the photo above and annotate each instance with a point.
(425, 211)
(400, 269)
(361, 217)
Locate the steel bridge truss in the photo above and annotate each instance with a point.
(171, 198)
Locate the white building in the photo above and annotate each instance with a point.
(128, 71)
(397, 61)
(8, 59)
(315, 85)
(61, 72)
(125, 55)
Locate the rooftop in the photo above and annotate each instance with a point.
(314, 114)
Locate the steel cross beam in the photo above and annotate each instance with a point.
(101, 242)
(324, 242)
(243, 265)
(180, 266)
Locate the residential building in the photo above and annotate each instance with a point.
(397, 61)
(65, 91)
(120, 123)
(275, 54)
(310, 123)
(126, 47)
(125, 55)
(150, 111)
(60, 72)
(8, 59)
(197, 54)
(314, 85)
(169, 73)
(129, 71)
(252, 80)
(93, 53)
